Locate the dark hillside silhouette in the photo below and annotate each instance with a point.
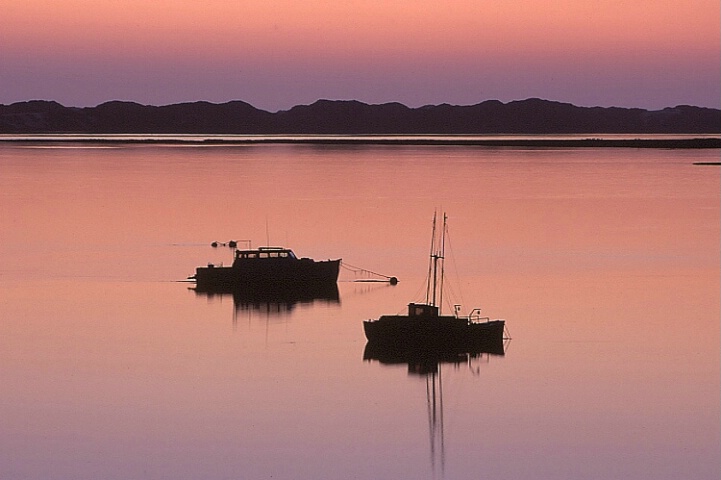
(531, 116)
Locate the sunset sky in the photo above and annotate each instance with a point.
(278, 53)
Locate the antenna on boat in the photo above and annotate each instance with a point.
(267, 235)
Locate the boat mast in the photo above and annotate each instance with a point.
(431, 273)
(442, 258)
(434, 288)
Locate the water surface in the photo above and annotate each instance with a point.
(604, 263)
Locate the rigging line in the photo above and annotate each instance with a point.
(417, 296)
(452, 297)
(355, 269)
(455, 268)
(430, 262)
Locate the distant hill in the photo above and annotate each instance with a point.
(531, 116)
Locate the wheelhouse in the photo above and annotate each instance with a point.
(422, 310)
(265, 253)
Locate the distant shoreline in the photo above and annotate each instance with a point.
(685, 143)
(338, 118)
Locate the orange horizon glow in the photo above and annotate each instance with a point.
(386, 39)
(183, 27)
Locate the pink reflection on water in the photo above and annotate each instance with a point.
(603, 262)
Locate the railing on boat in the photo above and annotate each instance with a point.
(475, 316)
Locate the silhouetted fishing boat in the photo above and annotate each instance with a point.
(425, 328)
(268, 268)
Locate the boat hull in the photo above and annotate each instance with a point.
(445, 333)
(286, 274)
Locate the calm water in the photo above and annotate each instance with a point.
(604, 263)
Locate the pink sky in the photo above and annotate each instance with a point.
(276, 54)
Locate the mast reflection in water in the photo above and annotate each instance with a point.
(427, 362)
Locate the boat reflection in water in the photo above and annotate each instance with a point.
(423, 361)
(275, 301)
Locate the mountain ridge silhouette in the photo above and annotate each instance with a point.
(529, 116)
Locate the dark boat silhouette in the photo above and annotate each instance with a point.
(273, 269)
(425, 328)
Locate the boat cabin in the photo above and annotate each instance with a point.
(265, 252)
(422, 310)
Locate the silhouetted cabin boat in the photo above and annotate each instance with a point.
(425, 328)
(268, 268)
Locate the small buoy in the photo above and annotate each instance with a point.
(232, 244)
(393, 280)
(214, 244)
